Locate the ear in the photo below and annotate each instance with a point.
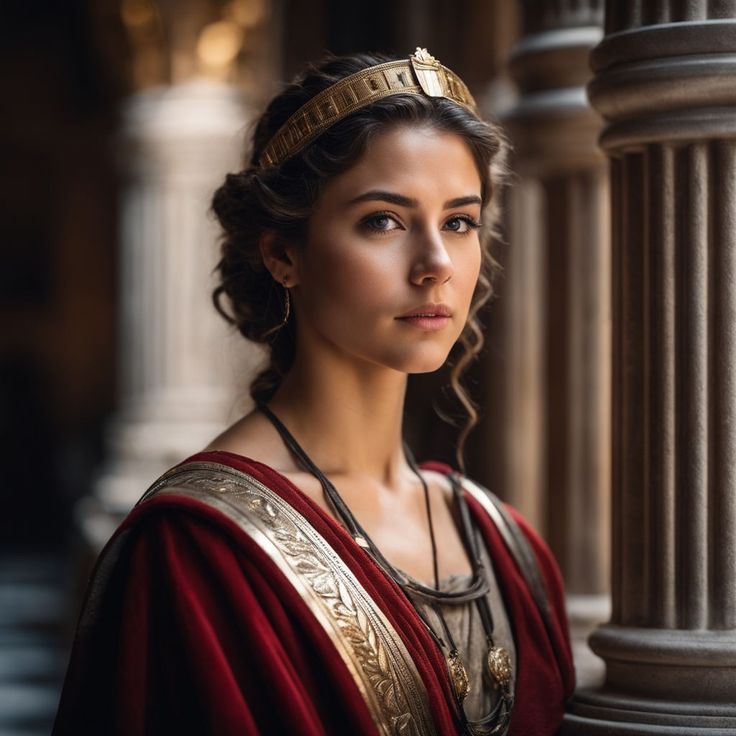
(279, 257)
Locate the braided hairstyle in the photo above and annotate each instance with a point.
(282, 198)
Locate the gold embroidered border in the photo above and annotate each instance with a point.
(369, 646)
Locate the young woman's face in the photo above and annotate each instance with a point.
(393, 234)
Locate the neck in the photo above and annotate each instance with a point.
(348, 420)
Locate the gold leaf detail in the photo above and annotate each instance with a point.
(402, 706)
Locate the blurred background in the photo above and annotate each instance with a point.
(121, 118)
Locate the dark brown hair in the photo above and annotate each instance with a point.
(282, 198)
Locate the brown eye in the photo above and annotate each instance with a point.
(462, 224)
(380, 222)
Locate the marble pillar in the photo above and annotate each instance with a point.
(182, 373)
(665, 81)
(559, 310)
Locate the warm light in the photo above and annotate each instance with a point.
(136, 13)
(219, 44)
(246, 13)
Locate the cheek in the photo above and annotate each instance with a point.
(468, 269)
(347, 277)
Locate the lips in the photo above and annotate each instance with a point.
(428, 310)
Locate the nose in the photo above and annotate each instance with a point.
(432, 262)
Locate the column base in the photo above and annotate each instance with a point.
(601, 712)
(659, 681)
(681, 666)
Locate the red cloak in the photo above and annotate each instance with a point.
(189, 628)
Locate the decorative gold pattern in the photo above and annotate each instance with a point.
(458, 676)
(420, 74)
(427, 71)
(371, 649)
(422, 56)
(499, 666)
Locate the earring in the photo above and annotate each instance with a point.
(287, 310)
(287, 302)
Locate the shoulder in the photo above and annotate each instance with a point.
(173, 520)
(486, 498)
(253, 436)
(247, 505)
(524, 543)
(439, 473)
(165, 535)
(207, 489)
(518, 533)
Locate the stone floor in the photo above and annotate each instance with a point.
(34, 601)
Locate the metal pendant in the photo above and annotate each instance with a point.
(458, 676)
(499, 666)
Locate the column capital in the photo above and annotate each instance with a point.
(666, 83)
(552, 126)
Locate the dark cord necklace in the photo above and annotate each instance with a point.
(498, 664)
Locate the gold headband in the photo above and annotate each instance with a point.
(420, 74)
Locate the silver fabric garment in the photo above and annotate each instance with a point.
(466, 627)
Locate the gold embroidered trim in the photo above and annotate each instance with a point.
(371, 649)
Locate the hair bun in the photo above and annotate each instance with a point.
(230, 202)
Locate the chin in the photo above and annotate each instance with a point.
(426, 370)
(426, 363)
(408, 358)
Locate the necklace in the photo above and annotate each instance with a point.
(498, 663)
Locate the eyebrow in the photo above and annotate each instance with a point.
(378, 195)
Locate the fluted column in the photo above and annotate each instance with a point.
(559, 311)
(180, 375)
(665, 80)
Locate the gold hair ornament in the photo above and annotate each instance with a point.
(420, 74)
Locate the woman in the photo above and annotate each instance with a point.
(302, 575)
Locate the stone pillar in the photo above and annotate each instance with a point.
(665, 80)
(559, 310)
(178, 369)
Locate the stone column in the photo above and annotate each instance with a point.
(559, 311)
(180, 375)
(665, 80)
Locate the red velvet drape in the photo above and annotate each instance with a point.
(189, 628)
